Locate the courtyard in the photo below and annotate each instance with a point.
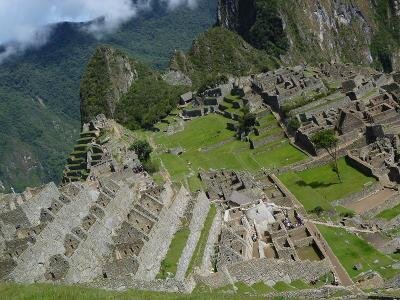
(320, 186)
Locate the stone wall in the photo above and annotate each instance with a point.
(84, 265)
(360, 165)
(170, 285)
(32, 264)
(155, 250)
(33, 206)
(199, 215)
(366, 192)
(208, 254)
(266, 270)
(326, 292)
(389, 203)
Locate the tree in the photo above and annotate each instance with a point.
(293, 124)
(318, 210)
(326, 139)
(142, 149)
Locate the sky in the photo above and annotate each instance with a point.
(25, 22)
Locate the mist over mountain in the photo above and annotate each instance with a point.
(32, 26)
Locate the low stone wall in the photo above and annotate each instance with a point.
(360, 165)
(199, 215)
(303, 242)
(186, 286)
(268, 271)
(389, 203)
(388, 225)
(393, 283)
(366, 192)
(285, 191)
(170, 285)
(325, 292)
(260, 142)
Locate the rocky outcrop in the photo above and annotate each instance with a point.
(108, 76)
(173, 77)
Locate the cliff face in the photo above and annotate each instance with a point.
(108, 76)
(237, 15)
(356, 31)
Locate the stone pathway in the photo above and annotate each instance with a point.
(352, 229)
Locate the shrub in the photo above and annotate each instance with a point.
(293, 124)
(142, 149)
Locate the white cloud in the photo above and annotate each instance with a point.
(24, 22)
(172, 4)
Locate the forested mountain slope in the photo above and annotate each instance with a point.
(39, 91)
(350, 31)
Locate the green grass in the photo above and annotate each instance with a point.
(389, 214)
(299, 284)
(233, 98)
(257, 289)
(320, 186)
(243, 288)
(209, 145)
(351, 250)
(262, 288)
(194, 183)
(201, 244)
(51, 292)
(170, 263)
(158, 179)
(282, 287)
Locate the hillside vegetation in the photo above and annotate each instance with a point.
(221, 52)
(39, 91)
(125, 89)
(214, 56)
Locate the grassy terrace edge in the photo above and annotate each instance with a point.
(351, 250)
(170, 263)
(201, 244)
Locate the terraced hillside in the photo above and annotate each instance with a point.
(207, 144)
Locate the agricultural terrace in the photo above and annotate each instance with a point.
(320, 186)
(352, 250)
(390, 213)
(208, 144)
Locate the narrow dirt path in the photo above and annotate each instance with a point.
(353, 229)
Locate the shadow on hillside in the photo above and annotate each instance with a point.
(315, 184)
